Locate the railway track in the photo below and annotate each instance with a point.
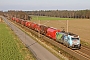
(87, 57)
(81, 54)
(86, 51)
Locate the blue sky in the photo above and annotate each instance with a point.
(44, 4)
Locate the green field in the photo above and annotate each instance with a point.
(11, 47)
(48, 18)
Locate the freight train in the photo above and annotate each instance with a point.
(68, 39)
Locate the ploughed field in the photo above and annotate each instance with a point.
(80, 27)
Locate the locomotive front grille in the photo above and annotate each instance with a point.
(75, 46)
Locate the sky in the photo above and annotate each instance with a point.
(29, 5)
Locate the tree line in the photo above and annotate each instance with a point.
(18, 14)
(62, 13)
(1, 12)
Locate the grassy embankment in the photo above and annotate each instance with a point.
(11, 48)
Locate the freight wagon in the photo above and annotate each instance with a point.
(51, 32)
(13, 18)
(23, 22)
(43, 29)
(29, 24)
(17, 20)
(33, 26)
(37, 28)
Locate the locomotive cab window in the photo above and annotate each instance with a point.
(75, 38)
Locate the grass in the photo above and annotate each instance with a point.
(86, 44)
(48, 18)
(11, 47)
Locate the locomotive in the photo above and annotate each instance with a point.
(66, 38)
(69, 39)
